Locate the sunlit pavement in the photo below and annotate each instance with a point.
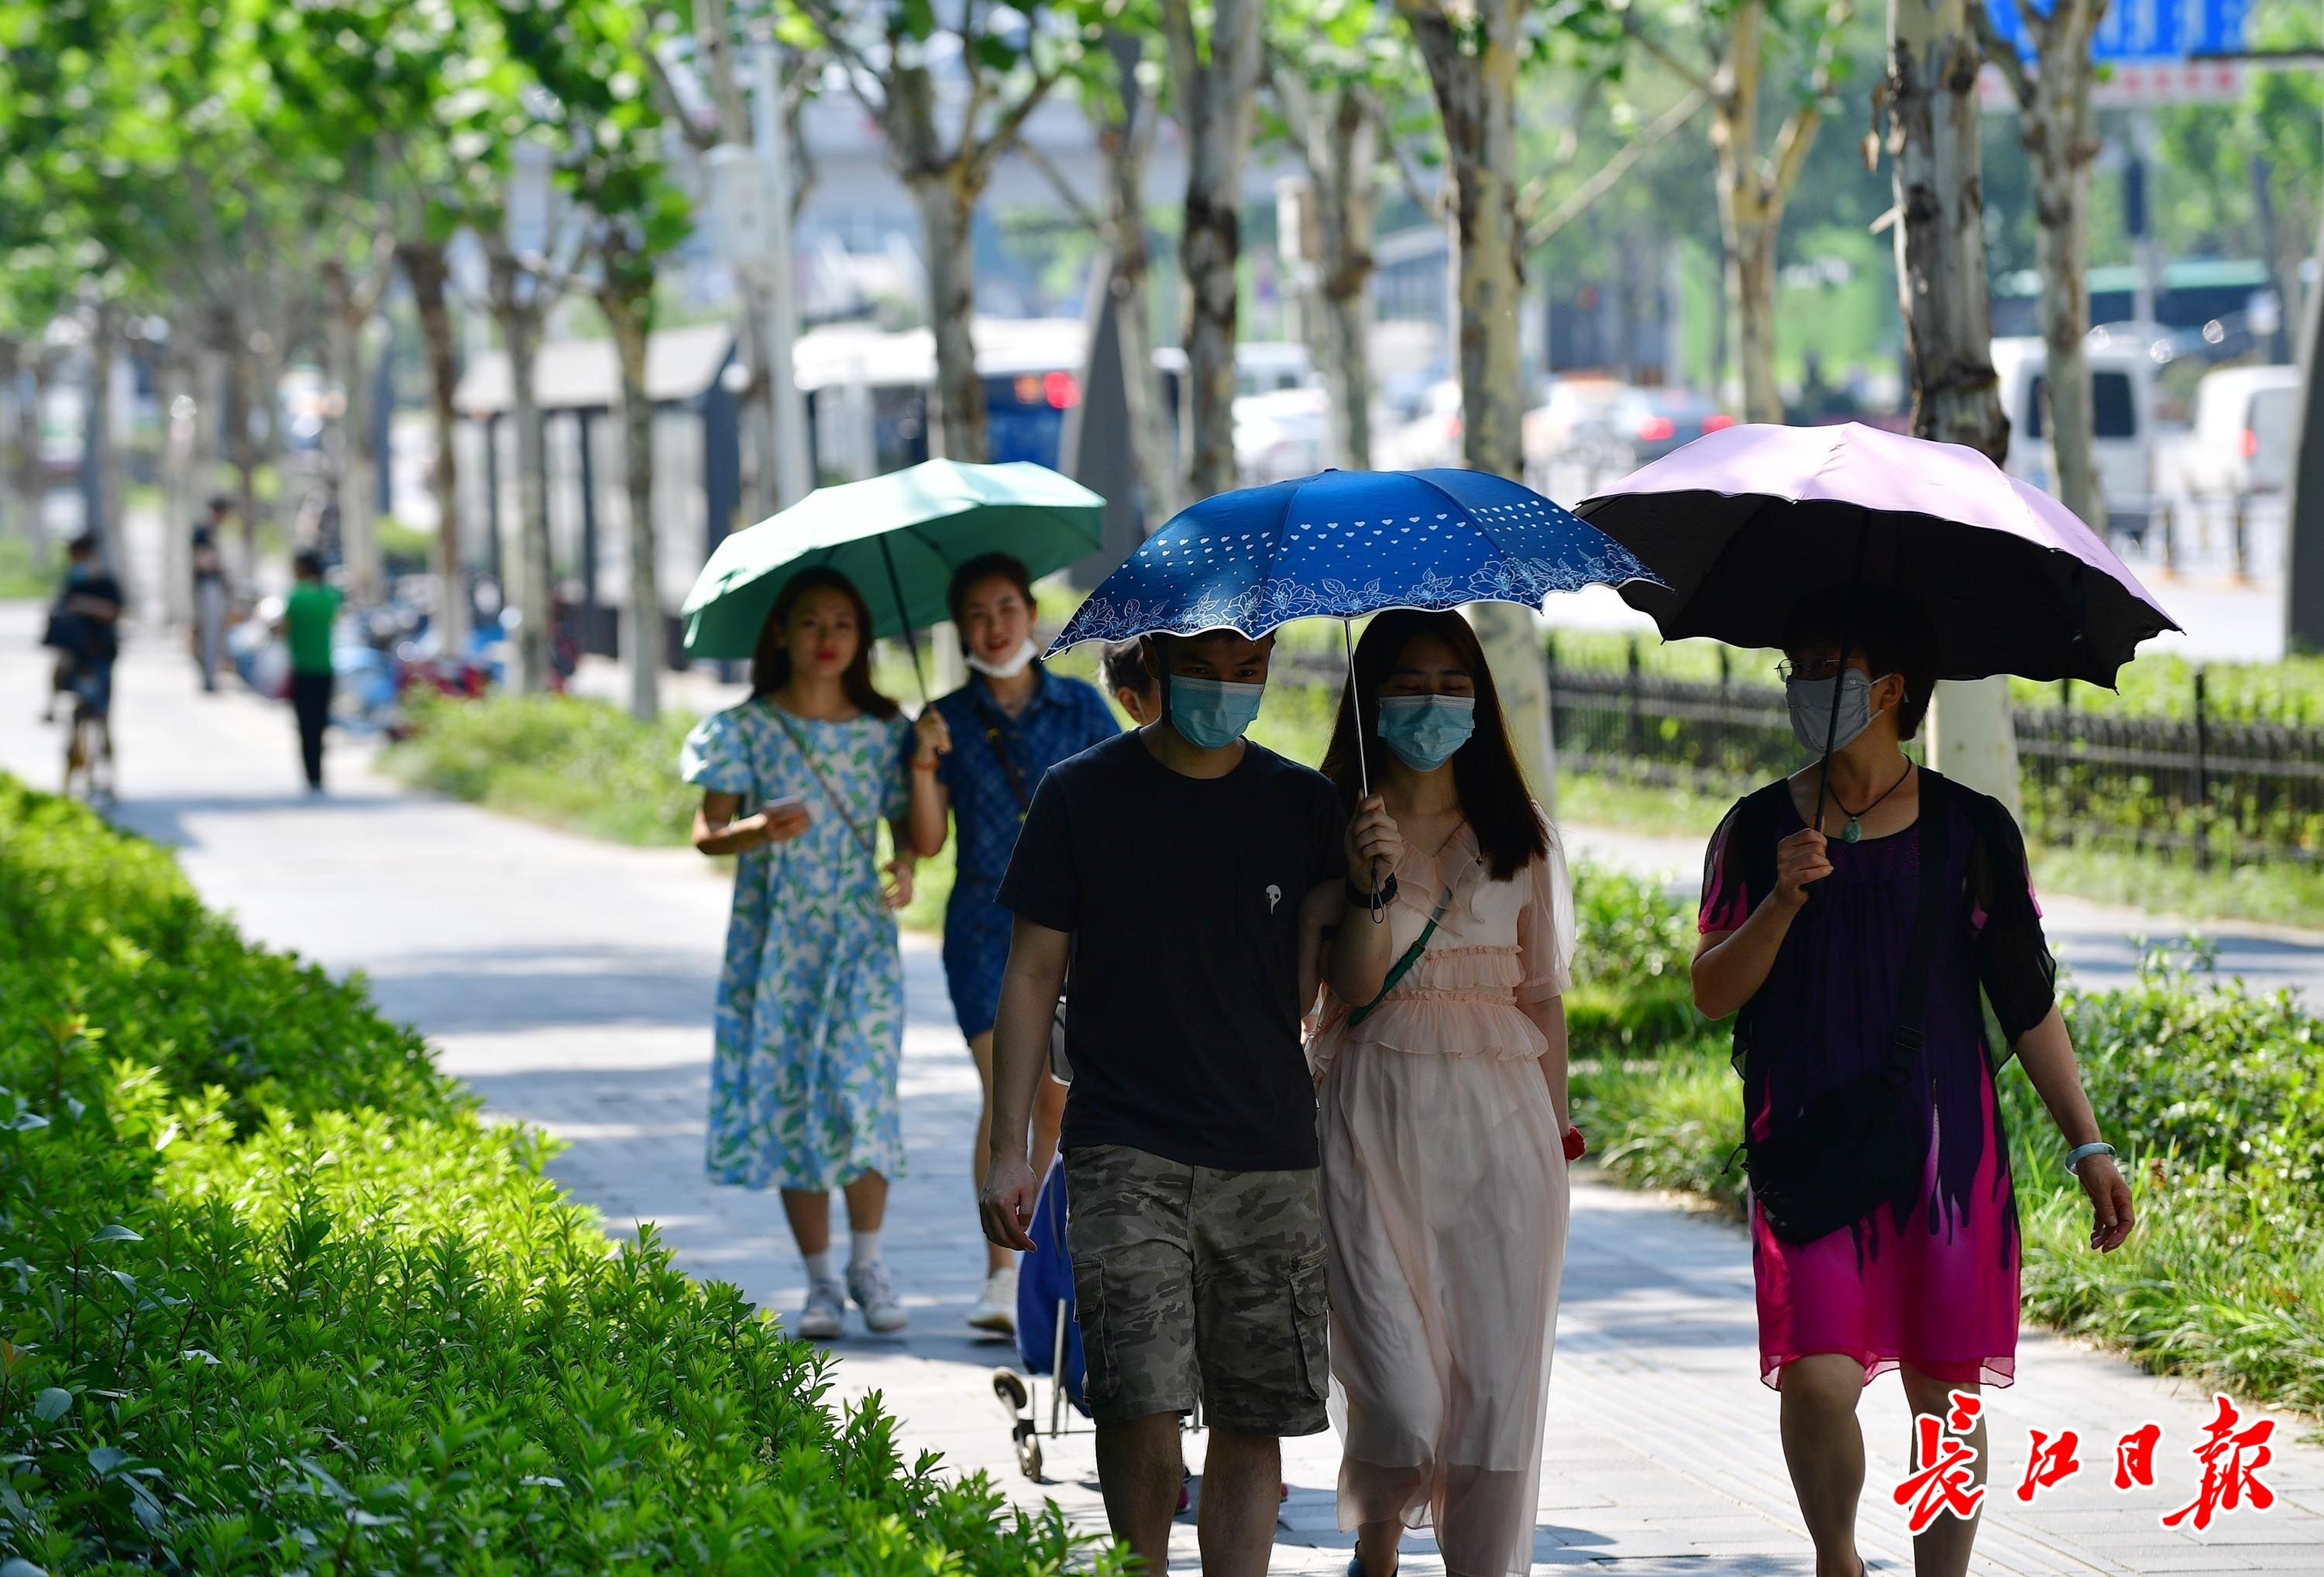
(570, 982)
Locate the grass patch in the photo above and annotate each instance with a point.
(2283, 893)
(576, 763)
(2209, 1090)
(587, 767)
(279, 1299)
(29, 570)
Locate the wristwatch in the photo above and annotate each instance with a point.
(1386, 893)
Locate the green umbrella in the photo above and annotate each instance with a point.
(898, 538)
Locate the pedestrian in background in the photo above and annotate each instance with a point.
(84, 628)
(210, 594)
(310, 616)
(1131, 683)
(1443, 1120)
(1851, 913)
(979, 754)
(809, 1026)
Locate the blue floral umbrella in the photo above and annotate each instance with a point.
(1343, 544)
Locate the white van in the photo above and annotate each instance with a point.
(2243, 436)
(2122, 391)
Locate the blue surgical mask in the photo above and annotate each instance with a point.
(1811, 708)
(1424, 730)
(1211, 714)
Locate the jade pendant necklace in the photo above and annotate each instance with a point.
(1854, 831)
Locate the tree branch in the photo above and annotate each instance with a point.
(1083, 214)
(702, 139)
(1297, 103)
(1664, 56)
(1544, 229)
(827, 22)
(1185, 60)
(2003, 55)
(1004, 134)
(1535, 192)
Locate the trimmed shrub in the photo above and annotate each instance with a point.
(278, 1299)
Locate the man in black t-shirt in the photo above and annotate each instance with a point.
(1187, 877)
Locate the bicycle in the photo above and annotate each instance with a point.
(89, 744)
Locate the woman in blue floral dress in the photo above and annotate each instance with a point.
(810, 1015)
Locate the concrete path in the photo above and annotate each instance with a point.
(569, 981)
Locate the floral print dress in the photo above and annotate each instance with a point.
(810, 1012)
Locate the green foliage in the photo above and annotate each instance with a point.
(589, 767)
(572, 762)
(279, 1299)
(402, 548)
(1632, 989)
(2208, 1090)
(28, 568)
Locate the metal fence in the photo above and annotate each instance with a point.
(2235, 792)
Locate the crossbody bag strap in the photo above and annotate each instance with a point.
(1402, 967)
(1913, 993)
(991, 722)
(806, 755)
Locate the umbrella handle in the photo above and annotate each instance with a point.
(1839, 670)
(903, 617)
(1356, 713)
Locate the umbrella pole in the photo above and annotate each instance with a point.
(1840, 673)
(1356, 716)
(903, 617)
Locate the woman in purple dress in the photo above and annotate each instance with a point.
(1805, 929)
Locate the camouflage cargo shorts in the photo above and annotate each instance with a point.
(1192, 1281)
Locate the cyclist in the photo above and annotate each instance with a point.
(83, 628)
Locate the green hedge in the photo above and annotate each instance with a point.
(277, 1298)
(2210, 1090)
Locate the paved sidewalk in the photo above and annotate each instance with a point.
(569, 981)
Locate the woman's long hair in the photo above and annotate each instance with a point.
(771, 664)
(1485, 771)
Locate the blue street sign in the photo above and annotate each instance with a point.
(2145, 30)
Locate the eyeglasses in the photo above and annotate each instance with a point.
(1816, 668)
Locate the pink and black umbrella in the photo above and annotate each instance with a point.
(1741, 524)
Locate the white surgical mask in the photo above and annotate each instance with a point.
(1010, 667)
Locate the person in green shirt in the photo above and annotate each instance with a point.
(308, 619)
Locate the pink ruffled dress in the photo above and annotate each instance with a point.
(1445, 1211)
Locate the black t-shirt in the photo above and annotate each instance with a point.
(1182, 896)
(90, 639)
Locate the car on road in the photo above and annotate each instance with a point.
(1575, 426)
(2245, 420)
(1652, 422)
(1281, 434)
(2121, 402)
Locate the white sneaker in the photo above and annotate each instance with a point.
(995, 1312)
(825, 1312)
(875, 1294)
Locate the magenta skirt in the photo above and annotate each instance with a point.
(1940, 1293)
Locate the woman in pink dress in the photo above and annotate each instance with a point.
(1805, 930)
(1443, 1120)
